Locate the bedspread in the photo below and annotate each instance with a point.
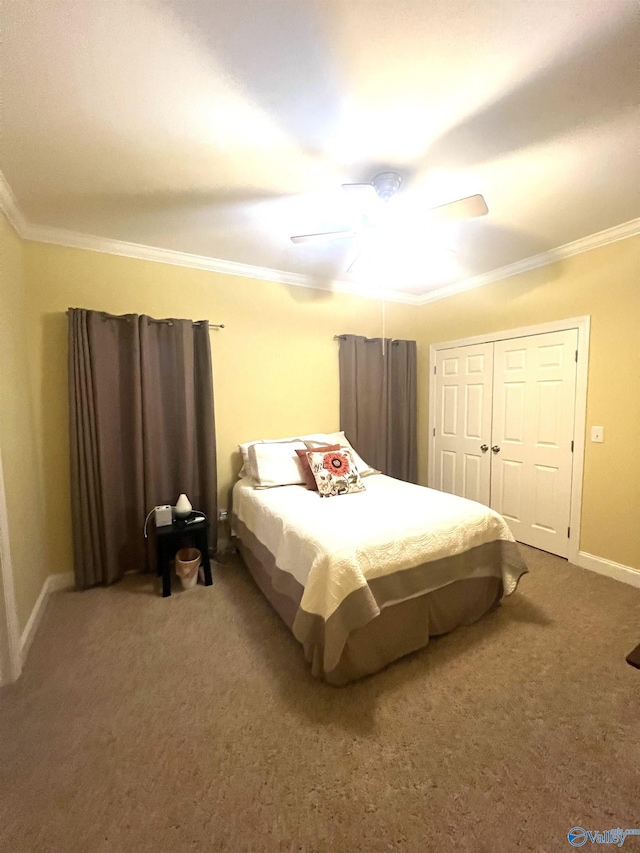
(345, 558)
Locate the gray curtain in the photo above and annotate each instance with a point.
(378, 402)
(141, 430)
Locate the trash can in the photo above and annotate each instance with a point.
(187, 565)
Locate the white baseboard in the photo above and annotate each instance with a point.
(53, 583)
(607, 567)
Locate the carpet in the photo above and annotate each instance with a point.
(192, 724)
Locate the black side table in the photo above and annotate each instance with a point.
(172, 537)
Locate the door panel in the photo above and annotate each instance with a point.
(464, 378)
(533, 416)
(510, 488)
(448, 472)
(474, 412)
(544, 492)
(450, 410)
(514, 412)
(472, 477)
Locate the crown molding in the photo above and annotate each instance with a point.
(89, 242)
(577, 247)
(76, 240)
(10, 207)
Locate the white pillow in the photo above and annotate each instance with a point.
(244, 450)
(340, 438)
(246, 471)
(275, 463)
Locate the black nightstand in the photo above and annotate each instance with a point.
(181, 534)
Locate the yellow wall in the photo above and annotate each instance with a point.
(605, 284)
(17, 443)
(275, 364)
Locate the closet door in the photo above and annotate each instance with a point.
(464, 377)
(531, 455)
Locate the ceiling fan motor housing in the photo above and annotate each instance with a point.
(387, 184)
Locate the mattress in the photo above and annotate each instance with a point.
(333, 566)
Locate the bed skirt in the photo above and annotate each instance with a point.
(398, 630)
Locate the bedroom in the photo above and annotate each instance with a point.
(287, 370)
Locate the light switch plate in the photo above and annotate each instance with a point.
(597, 433)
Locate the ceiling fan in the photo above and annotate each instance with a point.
(384, 187)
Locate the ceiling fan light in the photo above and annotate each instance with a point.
(387, 184)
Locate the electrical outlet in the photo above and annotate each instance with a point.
(597, 434)
(222, 515)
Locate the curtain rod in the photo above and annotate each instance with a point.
(366, 340)
(127, 317)
(168, 322)
(194, 323)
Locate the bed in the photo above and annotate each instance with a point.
(363, 579)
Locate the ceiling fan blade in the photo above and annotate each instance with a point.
(326, 235)
(463, 208)
(363, 191)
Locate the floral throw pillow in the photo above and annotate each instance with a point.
(335, 472)
(309, 479)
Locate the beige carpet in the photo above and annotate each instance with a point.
(192, 723)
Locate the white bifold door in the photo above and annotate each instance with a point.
(504, 431)
(464, 388)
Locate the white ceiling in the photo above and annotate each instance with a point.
(222, 128)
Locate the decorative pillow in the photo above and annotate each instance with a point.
(340, 438)
(322, 438)
(335, 472)
(275, 463)
(309, 479)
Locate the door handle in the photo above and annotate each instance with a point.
(495, 448)
(484, 447)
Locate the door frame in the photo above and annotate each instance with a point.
(582, 325)
(10, 648)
